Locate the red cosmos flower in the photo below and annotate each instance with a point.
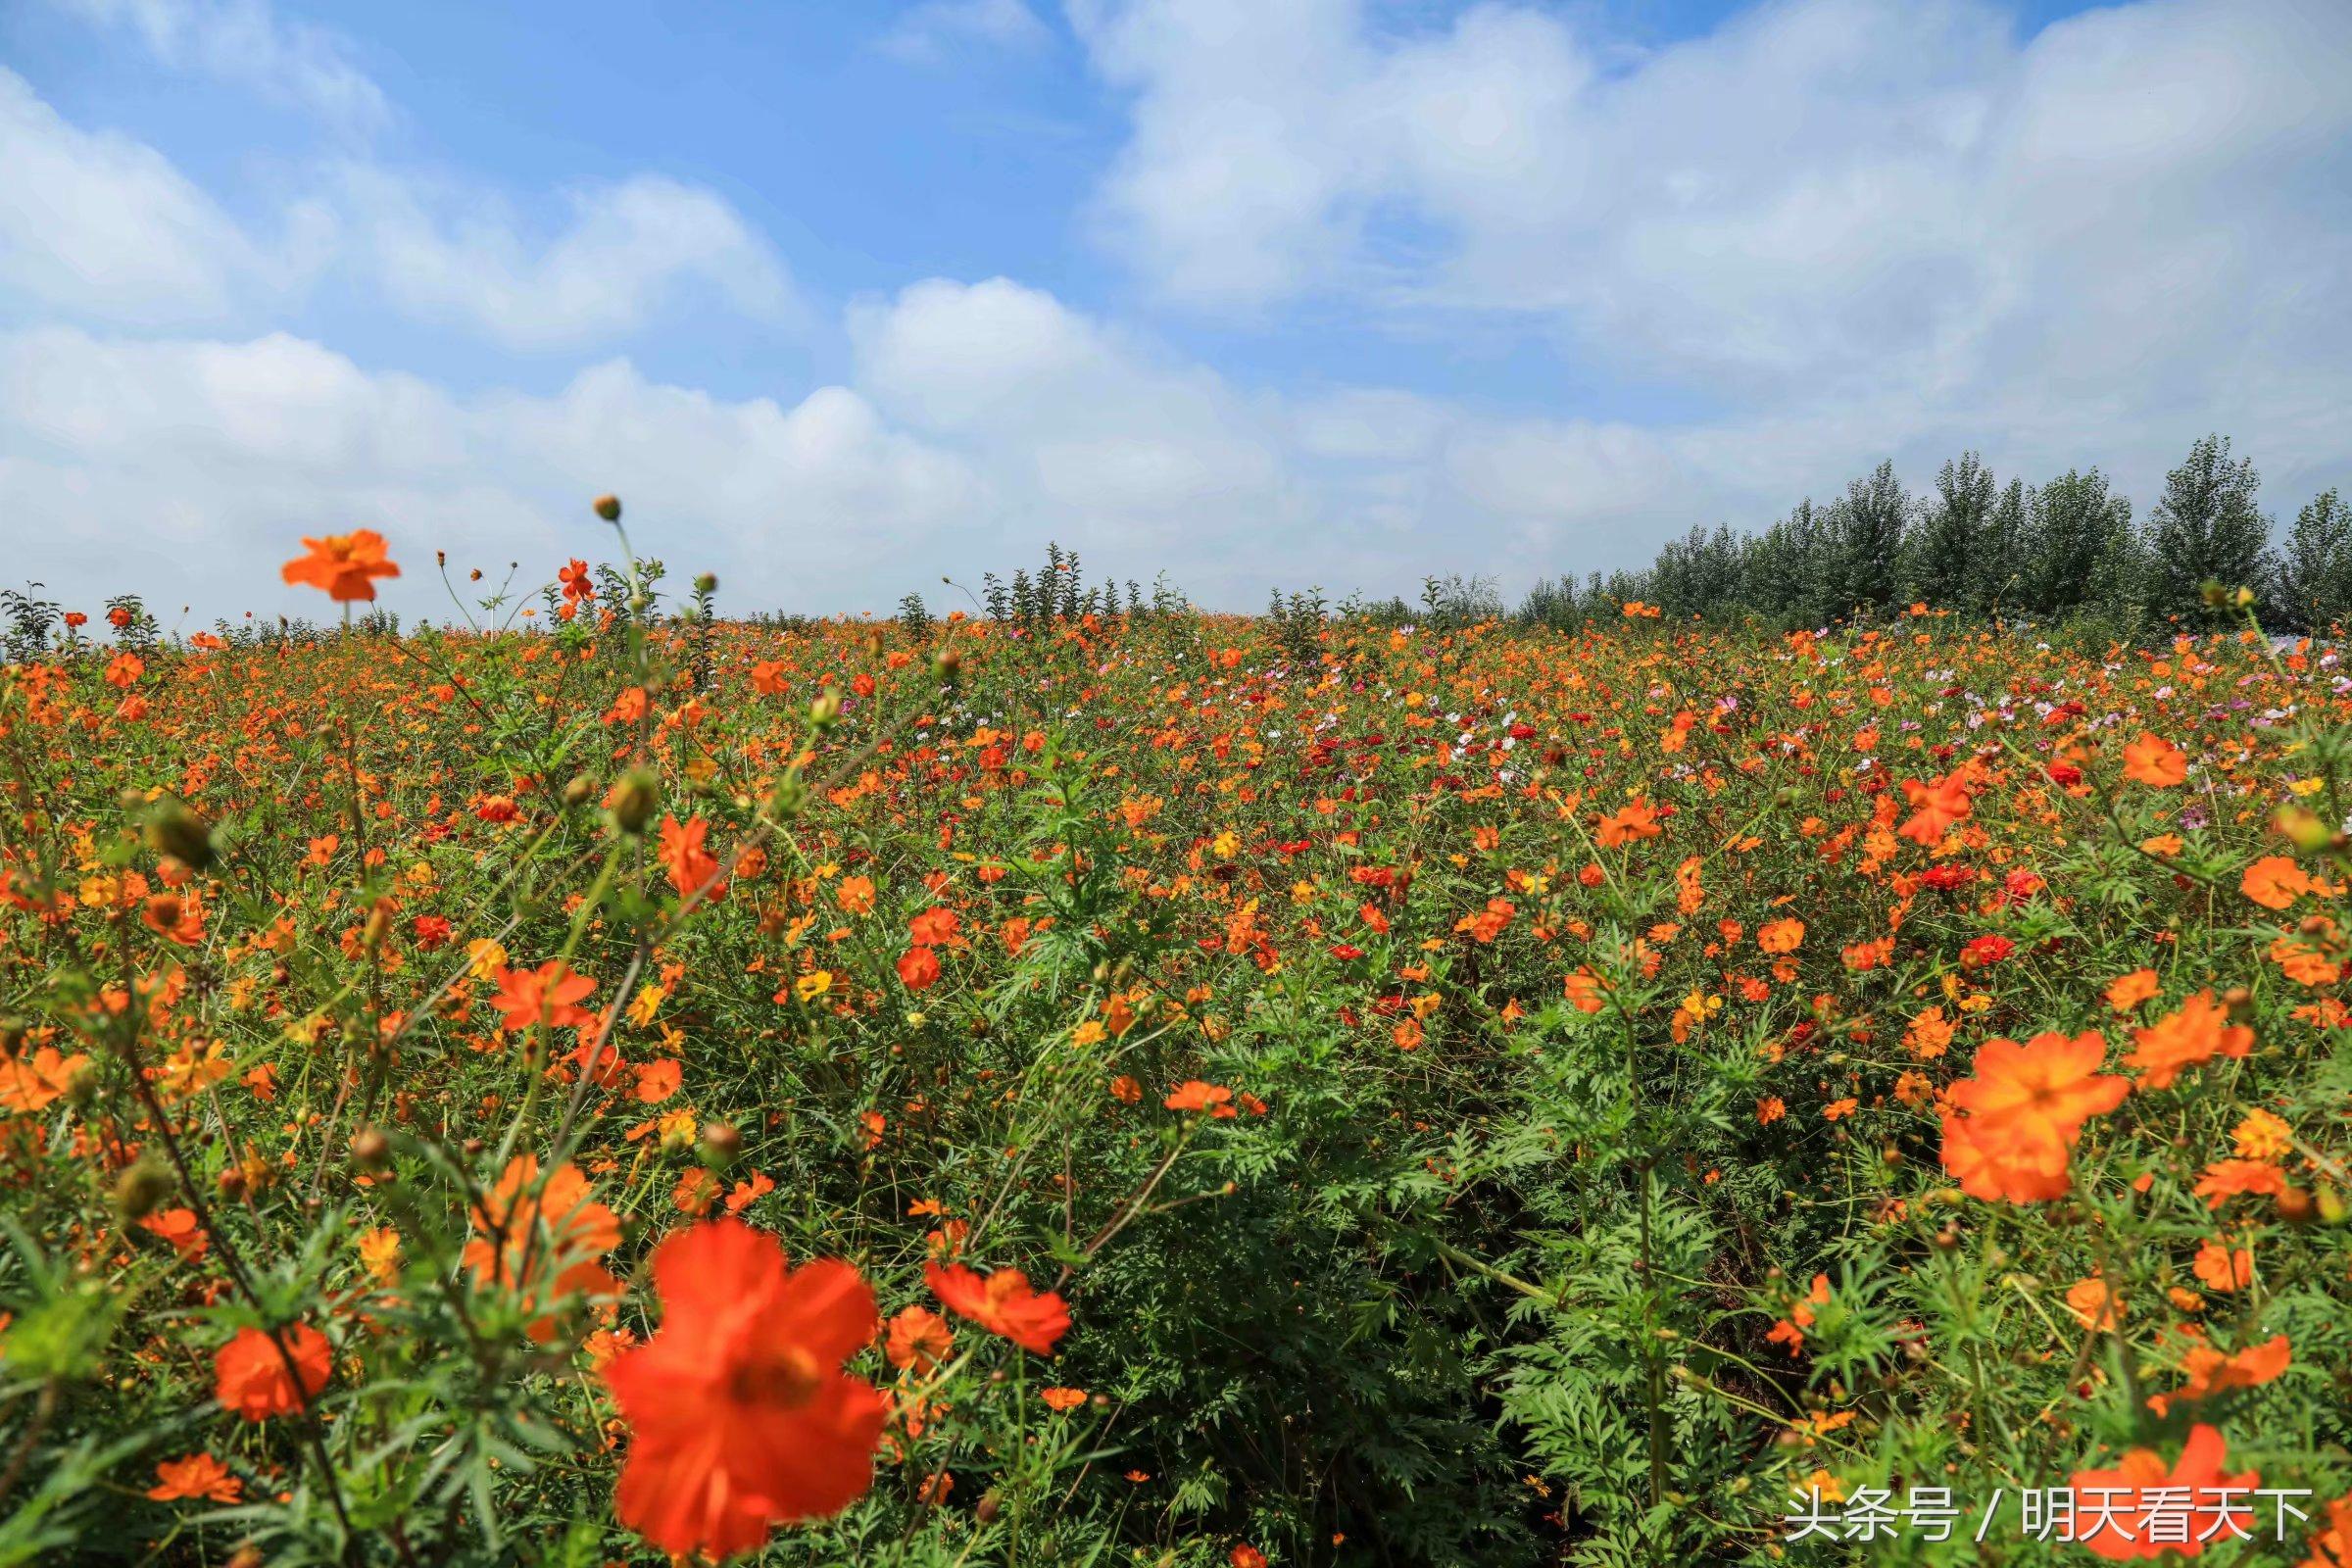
(1985, 951)
(742, 1417)
(1002, 1303)
(934, 927)
(249, 1376)
(120, 616)
(550, 993)
(917, 969)
(344, 565)
(576, 586)
(2117, 1511)
(432, 931)
(690, 867)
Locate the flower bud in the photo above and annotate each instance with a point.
(370, 1149)
(634, 798)
(607, 507)
(722, 1142)
(175, 830)
(579, 789)
(143, 1185)
(705, 582)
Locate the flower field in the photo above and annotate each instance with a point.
(1165, 1089)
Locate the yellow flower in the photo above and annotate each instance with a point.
(650, 997)
(812, 985)
(380, 1253)
(2262, 1136)
(1225, 845)
(484, 958)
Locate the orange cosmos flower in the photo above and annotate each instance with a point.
(1194, 1094)
(1780, 936)
(692, 869)
(550, 993)
(2274, 882)
(1063, 1400)
(2191, 1037)
(2110, 1515)
(2015, 1122)
(2129, 991)
(2225, 1179)
(742, 1418)
(344, 565)
(1638, 820)
(2155, 761)
(250, 1377)
(1002, 1303)
(919, 1337)
(2331, 1547)
(2223, 1268)
(1934, 807)
(536, 1236)
(2210, 1371)
(36, 1082)
(198, 1475)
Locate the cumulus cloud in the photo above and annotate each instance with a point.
(626, 252)
(102, 226)
(186, 468)
(1827, 191)
(245, 42)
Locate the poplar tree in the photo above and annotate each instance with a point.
(2205, 528)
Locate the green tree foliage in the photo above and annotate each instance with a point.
(2314, 574)
(2205, 528)
(2061, 551)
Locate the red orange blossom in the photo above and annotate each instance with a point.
(344, 565)
(742, 1417)
(2012, 1126)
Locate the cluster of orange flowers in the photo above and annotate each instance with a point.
(1853, 863)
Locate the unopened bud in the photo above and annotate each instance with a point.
(825, 710)
(370, 1149)
(706, 583)
(607, 507)
(578, 790)
(142, 1186)
(2296, 1207)
(634, 798)
(722, 1142)
(175, 830)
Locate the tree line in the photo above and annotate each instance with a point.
(2066, 549)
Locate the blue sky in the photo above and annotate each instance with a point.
(1256, 291)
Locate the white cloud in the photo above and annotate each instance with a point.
(102, 226)
(627, 251)
(1825, 193)
(936, 30)
(186, 469)
(245, 42)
